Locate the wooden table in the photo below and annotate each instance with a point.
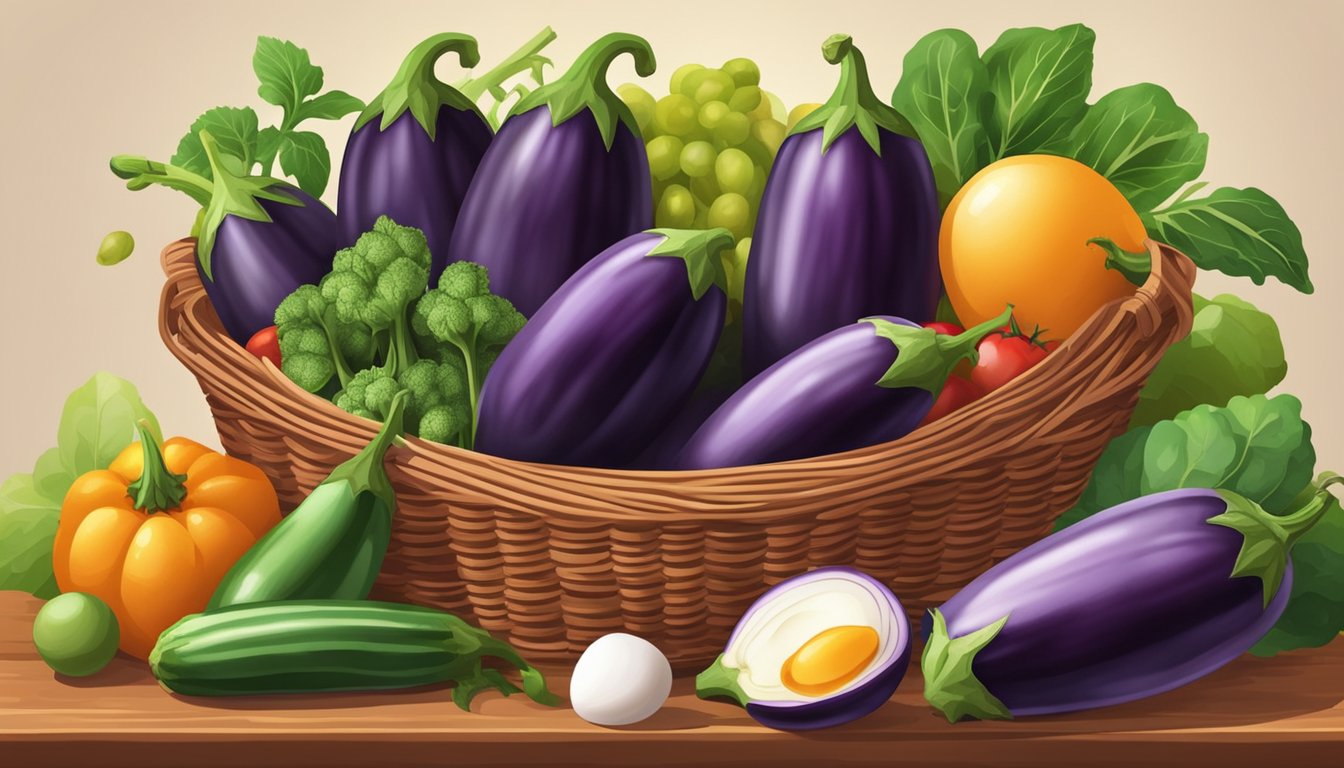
(1285, 711)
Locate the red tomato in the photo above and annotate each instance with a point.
(265, 344)
(1003, 357)
(963, 368)
(957, 392)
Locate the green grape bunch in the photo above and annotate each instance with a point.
(711, 142)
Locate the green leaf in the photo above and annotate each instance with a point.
(234, 129)
(1139, 139)
(303, 155)
(28, 519)
(1040, 79)
(1239, 232)
(1256, 447)
(943, 92)
(1233, 349)
(98, 421)
(1315, 612)
(286, 75)
(332, 105)
(268, 146)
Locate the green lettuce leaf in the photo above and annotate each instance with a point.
(1233, 349)
(943, 92)
(1143, 142)
(1040, 79)
(98, 421)
(1239, 232)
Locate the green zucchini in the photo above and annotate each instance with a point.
(334, 645)
(331, 546)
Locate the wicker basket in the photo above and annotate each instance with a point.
(552, 557)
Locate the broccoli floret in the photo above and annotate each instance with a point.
(315, 345)
(375, 281)
(369, 394)
(438, 407)
(462, 321)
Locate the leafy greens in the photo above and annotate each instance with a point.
(1028, 94)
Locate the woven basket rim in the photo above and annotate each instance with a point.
(672, 495)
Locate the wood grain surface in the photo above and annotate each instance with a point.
(1284, 711)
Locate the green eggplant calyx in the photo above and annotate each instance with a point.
(234, 193)
(950, 685)
(1134, 265)
(158, 489)
(365, 471)
(924, 357)
(415, 88)
(700, 249)
(720, 680)
(584, 86)
(1267, 539)
(853, 103)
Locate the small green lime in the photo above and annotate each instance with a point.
(76, 634)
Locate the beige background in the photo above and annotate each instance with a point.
(84, 81)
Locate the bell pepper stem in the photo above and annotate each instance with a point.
(157, 489)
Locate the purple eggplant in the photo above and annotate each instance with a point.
(414, 150)
(607, 362)
(848, 225)
(258, 240)
(862, 384)
(565, 177)
(1138, 599)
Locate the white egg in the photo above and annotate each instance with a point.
(620, 679)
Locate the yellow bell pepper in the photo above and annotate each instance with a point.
(154, 533)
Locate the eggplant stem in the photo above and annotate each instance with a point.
(520, 60)
(1296, 523)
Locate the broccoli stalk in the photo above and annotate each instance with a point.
(375, 282)
(467, 324)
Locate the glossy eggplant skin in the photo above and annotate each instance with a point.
(255, 264)
(822, 398)
(604, 365)
(1133, 601)
(418, 181)
(842, 234)
(546, 199)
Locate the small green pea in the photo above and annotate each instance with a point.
(115, 248)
